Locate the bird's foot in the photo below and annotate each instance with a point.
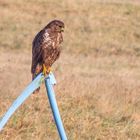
(46, 70)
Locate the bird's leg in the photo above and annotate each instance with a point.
(46, 70)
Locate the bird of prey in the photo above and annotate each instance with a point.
(46, 47)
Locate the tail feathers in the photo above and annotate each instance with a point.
(33, 77)
(38, 70)
(36, 91)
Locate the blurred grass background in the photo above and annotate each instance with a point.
(91, 26)
(98, 72)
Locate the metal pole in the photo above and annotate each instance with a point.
(49, 81)
(24, 95)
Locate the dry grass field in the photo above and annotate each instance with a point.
(98, 73)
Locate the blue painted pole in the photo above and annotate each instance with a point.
(49, 81)
(24, 95)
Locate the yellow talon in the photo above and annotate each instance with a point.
(44, 70)
(47, 70)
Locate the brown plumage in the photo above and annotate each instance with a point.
(46, 46)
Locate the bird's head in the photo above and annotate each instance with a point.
(56, 26)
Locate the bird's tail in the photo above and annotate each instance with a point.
(38, 70)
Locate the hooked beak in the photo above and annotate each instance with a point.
(62, 29)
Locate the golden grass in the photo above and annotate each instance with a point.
(91, 26)
(98, 72)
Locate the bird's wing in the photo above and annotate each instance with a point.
(41, 41)
(37, 50)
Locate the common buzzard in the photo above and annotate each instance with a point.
(46, 47)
